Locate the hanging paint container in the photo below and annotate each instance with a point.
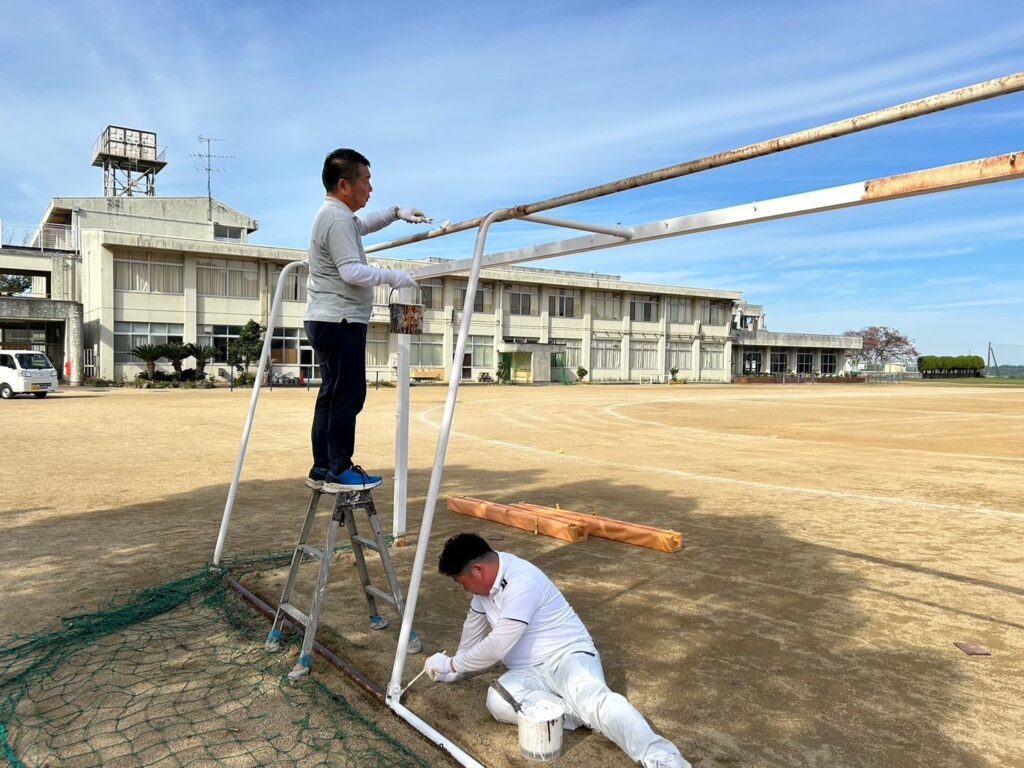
(405, 318)
(540, 730)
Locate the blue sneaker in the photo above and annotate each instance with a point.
(315, 479)
(352, 479)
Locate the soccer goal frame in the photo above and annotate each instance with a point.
(927, 181)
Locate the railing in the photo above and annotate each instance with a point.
(58, 237)
(105, 145)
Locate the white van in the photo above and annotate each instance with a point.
(23, 371)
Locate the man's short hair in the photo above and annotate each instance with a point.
(460, 551)
(342, 164)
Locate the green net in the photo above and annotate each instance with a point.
(175, 675)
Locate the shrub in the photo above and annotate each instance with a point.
(245, 379)
(158, 376)
(192, 375)
(581, 373)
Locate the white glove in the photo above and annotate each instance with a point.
(439, 669)
(398, 279)
(413, 215)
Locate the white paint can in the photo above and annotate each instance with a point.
(540, 730)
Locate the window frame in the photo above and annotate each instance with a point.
(601, 301)
(516, 292)
(644, 301)
(565, 302)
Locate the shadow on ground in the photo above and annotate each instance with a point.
(748, 648)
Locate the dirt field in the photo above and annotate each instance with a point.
(838, 540)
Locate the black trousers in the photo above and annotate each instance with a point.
(341, 352)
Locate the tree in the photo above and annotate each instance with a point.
(203, 353)
(883, 344)
(149, 354)
(175, 351)
(246, 349)
(12, 285)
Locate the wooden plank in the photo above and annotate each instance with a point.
(637, 534)
(524, 520)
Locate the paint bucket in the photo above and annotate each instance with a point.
(540, 730)
(405, 318)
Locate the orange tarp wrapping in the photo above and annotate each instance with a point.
(617, 530)
(523, 519)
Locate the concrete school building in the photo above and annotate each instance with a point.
(110, 273)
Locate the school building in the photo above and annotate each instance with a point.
(109, 273)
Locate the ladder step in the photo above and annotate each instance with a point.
(381, 595)
(368, 543)
(311, 551)
(295, 613)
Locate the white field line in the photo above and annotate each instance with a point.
(899, 501)
(612, 410)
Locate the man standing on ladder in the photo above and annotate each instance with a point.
(339, 303)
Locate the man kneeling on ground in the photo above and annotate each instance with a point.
(549, 653)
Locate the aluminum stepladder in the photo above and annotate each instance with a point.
(345, 505)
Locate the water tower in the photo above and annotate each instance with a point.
(130, 160)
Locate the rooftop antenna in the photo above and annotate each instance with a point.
(208, 157)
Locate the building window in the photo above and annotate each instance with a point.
(427, 349)
(571, 357)
(146, 272)
(712, 359)
(605, 305)
(643, 355)
(433, 293)
(643, 309)
(680, 310)
(829, 362)
(218, 336)
(565, 302)
(482, 350)
(284, 345)
(227, 234)
(804, 362)
(377, 346)
(712, 312)
(752, 362)
(524, 300)
(483, 301)
(677, 355)
(294, 284)
(127, 336)
(226, 277)
(780, 362)
(606, 353)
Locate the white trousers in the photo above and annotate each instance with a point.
(575, 680)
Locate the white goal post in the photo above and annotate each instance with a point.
(970, 173)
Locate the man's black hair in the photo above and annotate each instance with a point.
(342, 164)
(461, 550)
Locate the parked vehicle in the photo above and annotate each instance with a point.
(25, 372)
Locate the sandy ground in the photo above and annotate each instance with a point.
(838, 540)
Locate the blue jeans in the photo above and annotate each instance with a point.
(341, 352)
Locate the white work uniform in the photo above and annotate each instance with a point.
(551, 657)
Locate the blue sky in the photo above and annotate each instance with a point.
(465, 107)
